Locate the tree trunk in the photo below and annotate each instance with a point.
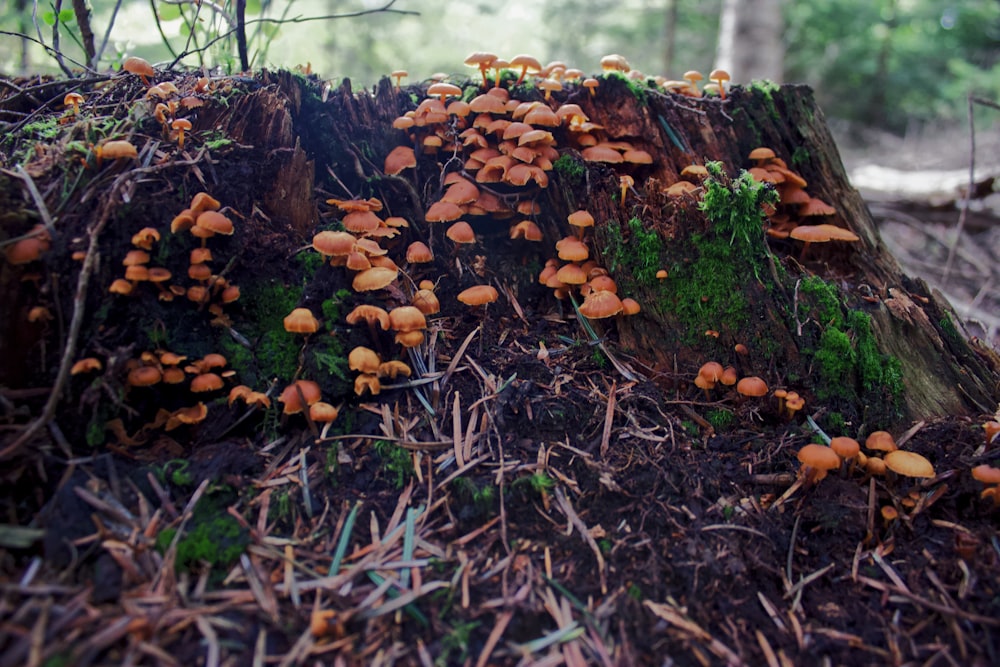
(751, 45)
(839, 323)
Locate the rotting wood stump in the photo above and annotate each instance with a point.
(839, 323)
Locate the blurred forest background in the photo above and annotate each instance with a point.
(898, 66)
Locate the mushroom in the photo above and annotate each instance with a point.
(399, 75)
(525, 62)
(817, 461)
(909, 464)
(73, 99)
(180, 125)
(720, 76)
(139, 67)
(299, 395)
(302, 321)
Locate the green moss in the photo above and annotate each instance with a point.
(800, 156)
(824, 300)
(640, 254)
(712, 290)
(396, 461)
(570, 169)
(767, 89)
(273, 352)
(835, 361)
(720, 419)
(212, 537)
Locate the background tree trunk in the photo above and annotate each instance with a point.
(750, 40)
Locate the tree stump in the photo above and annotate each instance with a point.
(838, 323)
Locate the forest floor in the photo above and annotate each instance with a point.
(566, 513)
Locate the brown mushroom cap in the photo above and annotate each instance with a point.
(369, 313)
(478, 295)
(137, 65)
(374, 278)
(880, 441)
(290, 396)
(984, 473)
(363, 360)
(88, 364)
(118, 148)
(407, 318)
(820, 459)
(323, 412)
(600, 304)
(846, 448)
(206, 382)
(399, 159)
(909, 464)
(751, 386)
(214, 222)
(302, 321)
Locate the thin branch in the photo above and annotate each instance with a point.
(83, 14)
(241, 34)
(51, 51)
(107, 33)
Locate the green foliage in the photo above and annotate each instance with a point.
(895, 61)
(570, 169)
(212, 536)
(481, 498)
(538, 482)
(396, 461)
(455, 644)
(640, 253)
(710, 291)
(720, 419)
(274, 352)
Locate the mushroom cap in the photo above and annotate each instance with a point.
(442, 211)
(88, 364)
(374, 278)
(371, 314)
(600, 304)
(426, 302)
(572, 250)
(363, 360)
(214, 222)
(410, 338)
(880, 441)
(144, 376)
(581, 219)
(908, 464)
(719, 75)
(527, 230)
(984, 473)
(478, 295)
(461, 232)
(302, 321)
(290, 396)
(137, 65)
(180, 124)
(206, 382)
(846, 448)
(711, 371)
(118, 148)
(203, 201)
(367, 381)
(394, 368)
(751, 386)
(630, 306)
(323, 412)
(815, 207)
(398, 159)
(333, 243)
(762, 153)
(820, 458)
(443, 88)
(194, 414)
(407, 318)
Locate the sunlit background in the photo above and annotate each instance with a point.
(900, 66)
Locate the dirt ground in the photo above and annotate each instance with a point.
(530, 502)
